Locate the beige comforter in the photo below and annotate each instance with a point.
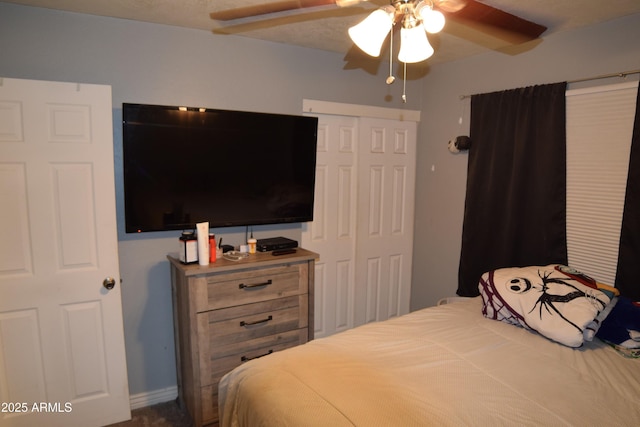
(444, 365)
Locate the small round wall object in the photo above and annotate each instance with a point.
(459, 143)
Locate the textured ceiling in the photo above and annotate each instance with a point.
(326, 27)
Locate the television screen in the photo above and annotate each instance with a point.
(230, 168)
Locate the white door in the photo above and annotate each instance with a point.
(62, 359)
(363, 220)
(332, 234)
(386, 177)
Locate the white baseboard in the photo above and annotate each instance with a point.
(149, 398)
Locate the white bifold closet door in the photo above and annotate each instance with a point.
(363, 220)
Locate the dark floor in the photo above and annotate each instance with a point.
(166, 414)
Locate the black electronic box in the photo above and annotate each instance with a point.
(275, 243)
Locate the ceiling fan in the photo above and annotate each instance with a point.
(466, 12)
(416, 19)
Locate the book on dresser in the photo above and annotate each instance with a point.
(230, 312)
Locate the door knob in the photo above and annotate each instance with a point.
(109, 283)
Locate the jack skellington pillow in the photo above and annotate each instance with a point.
(554, 300)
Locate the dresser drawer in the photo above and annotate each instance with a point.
(233, 357)
(241, 323)
(251, 286)
(257, 348)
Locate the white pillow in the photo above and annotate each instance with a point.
(554, 300)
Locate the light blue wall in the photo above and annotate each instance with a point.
(150, 63)
(611, 47)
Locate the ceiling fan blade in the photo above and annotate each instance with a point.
(273, 7)
(492, 20)
(450, 6)
(347, 3)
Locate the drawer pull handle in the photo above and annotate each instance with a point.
(246, 359)
(257, 322)
(256, 285)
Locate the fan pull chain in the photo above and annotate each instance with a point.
(404, 85)
(391, 79)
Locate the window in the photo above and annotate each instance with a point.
(599, 130)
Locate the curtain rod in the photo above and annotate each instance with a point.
(602, 76)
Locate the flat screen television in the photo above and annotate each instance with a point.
(184, 165)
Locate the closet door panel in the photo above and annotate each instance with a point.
(332, 234)
(386, 170)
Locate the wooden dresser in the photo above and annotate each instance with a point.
(233, 311)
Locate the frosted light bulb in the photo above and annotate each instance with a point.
(433, 21)
(369, 34)
(414, 45)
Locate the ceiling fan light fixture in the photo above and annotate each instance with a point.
(414, 46)
(369, 34)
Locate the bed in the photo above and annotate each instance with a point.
(449, 365)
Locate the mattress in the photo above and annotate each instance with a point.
(445, 366)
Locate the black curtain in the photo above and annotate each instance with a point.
(628, 272)
(515, 207)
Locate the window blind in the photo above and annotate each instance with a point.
(599, 130)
